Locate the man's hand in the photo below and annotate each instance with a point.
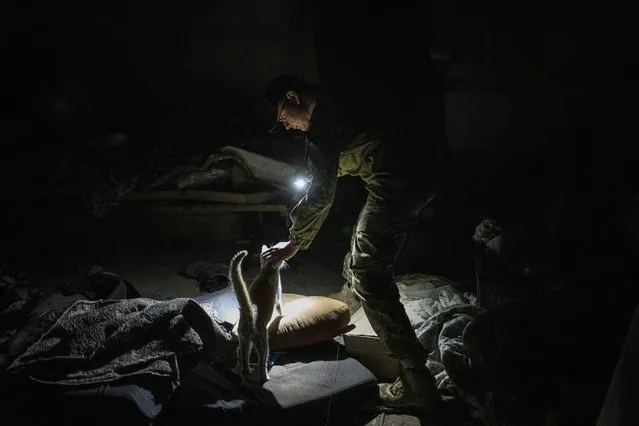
(279, 252)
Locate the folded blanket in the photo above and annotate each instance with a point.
(102, 341)
(442, 335)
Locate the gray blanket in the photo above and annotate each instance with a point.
(442, 335)
(95, 342)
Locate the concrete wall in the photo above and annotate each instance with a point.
(524, 109)
(119, 65)
(222, 50)
(516, 85)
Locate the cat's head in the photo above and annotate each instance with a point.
(280, 265)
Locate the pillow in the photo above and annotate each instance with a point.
(307, 320)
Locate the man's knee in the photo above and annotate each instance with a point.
(371, 267)
(374, 288)
(372, 251)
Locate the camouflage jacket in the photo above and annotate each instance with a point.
(333, 149)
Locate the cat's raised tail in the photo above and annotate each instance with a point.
(237, 281)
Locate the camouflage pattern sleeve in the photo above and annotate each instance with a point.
(309, 214)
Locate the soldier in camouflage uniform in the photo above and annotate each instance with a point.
(336, 148)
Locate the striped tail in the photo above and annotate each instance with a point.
(237, 281)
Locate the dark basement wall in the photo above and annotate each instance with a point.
(184, 69)
(533, 101)
(178, 75)
(514, 82)
(517, 81)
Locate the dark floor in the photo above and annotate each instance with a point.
(151, 251)
(52, 243)
(153, 264)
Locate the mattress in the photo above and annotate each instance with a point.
(306, 384)
(306, 387)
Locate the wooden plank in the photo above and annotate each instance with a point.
(58, 192)
(200, 195)
(204, 210)
(172, 195)
(400, 420)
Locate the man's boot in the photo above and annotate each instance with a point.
(414, 390)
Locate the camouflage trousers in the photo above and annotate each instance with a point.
(382, 227)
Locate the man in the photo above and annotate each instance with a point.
(335, 147)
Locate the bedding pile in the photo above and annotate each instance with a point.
(68, 340)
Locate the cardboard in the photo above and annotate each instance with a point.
(363, 344)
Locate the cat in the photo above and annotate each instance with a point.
(257, 303)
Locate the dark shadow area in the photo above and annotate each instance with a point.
(519, 111)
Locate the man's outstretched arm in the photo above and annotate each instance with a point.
(309, 214)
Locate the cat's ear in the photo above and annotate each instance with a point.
(264, 248)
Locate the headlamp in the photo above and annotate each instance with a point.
(300, 183)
